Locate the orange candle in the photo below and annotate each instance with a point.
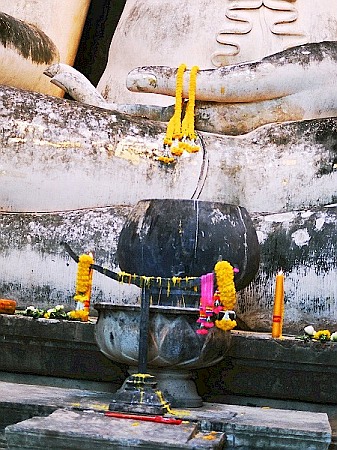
(278, 311)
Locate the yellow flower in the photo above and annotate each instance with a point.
(166, 159)
(79, 314)
(174, 126)
(187, 126)
(322, 335)
(225, 324)
(177, 150)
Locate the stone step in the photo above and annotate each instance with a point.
(48, 417)
(89, 430)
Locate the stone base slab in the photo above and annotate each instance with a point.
(90, 431)
(214, 426)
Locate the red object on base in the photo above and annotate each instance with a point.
(158, 419)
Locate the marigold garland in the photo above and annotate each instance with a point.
(83, 287)
(180, 135)
(224, 273)
(83, 278)
(187, 127)
(217, 307)
(174, 126)
(225, 324)
(79, 314)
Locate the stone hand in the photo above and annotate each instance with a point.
(295, 84)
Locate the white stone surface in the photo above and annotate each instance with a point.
(57, 155)
(208, 34)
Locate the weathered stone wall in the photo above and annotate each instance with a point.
(53, 348)
(255, 364)
(37, 270)
(303, 244)
(258, 366)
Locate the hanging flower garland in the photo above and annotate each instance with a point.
(206, 303)
(173, 132)
(225, 280)
(83, 287)
(83, 278)
(187, 127)
(180, 135)
(217, 308)
(227, 294)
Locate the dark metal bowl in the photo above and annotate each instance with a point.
(166, 238)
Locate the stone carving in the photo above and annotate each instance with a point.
(242, 16)
(105, 158)
(295, 84)
(31, 39)
(190, 36)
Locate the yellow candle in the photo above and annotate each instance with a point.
(278, 311)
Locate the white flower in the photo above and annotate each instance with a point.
(333, 336)
(309, 330)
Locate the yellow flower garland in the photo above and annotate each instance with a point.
(83, 278)
(79, 314)
(181, 136)
(225, 280)
(227, 295)
(174, 126)
(83, 288)
(187, 127)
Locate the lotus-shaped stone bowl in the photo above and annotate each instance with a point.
(174, 347)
